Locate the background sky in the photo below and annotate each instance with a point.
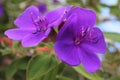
(112, 25)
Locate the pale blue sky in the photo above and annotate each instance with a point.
(109, 26)
(109, 2)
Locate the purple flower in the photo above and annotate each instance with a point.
(78, 40)
(32, 27)
(55, 1)
(42, 7)
(1, 9)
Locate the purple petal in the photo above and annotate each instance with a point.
(67, 53)
(98, 43)
(89, 60)
(68, 29)
(86, 17)
(56, 16)
(26, 19)
(64, 46)
(65, 30)
(17, 34)
(31, 40)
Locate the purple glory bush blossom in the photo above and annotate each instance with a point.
(78, 40)
(1, 9)
(33, 27)
(42, 7)
(55, 1)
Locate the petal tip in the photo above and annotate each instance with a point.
(25, 44)
(6, 33)
(93, 69)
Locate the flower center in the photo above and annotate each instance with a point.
(80, 35)
(40, 23)
(86, 34)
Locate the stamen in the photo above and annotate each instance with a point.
(78, 38)
(93, 37)
(81, 35)
(77, 41)
(34, 22)
(40, 23)
(85, 31)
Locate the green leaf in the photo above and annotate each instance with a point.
(63, 78)
(16, 64)
(115, 78)
(70, 73)
(12, 69)
(40, 65)
(113, 36)
(50, 75)
(83, 72)
(114, 10)
(22, 63)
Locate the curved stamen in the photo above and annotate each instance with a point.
(85, 31)
(77, 41)
(78, 38)
(33, 21)
(40, 23)
(94, 37)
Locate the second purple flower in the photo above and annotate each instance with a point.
(33, 27)
(78, 40)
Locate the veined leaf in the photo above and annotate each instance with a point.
(64, 78)
(83, 72)
(113, 36)
(50, 75)
(16, 65)
(40, 65)
(11, 70)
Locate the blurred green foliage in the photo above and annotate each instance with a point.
(18, 63)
